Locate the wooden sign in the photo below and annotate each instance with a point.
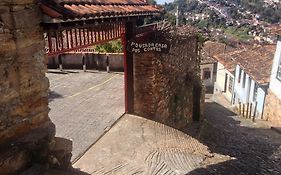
(142, 47)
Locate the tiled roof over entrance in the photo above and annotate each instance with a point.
(96, 9)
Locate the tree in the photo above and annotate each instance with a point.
(152, 2)
(110, 47)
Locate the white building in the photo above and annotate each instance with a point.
(252, 75)
(243, 76)
(208, 64)
(225, 75)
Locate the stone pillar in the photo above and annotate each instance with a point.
(272, 111)
(25, 128)
(164, 82)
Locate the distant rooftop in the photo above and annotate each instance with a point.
(210, 49)
(276, 29)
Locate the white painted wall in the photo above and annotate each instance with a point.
(245, 94)
(275, 84)
(220, 82)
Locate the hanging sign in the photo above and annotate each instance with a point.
(142, 47)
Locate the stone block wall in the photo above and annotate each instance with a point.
(272, 111)
(26, 132)
(93, 61)
(164, 83)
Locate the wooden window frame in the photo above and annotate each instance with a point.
(230, 84)
(244, 80)
(255, 93)
(206, 71)
(278, 75)
(239, 74)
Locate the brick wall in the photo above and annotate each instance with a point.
(25, 128)
(272, 111)
(164, 83)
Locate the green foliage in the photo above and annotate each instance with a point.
(239, 33)
(270, 13)
(202, 24)
(169, 6)
(152, 2)
(110, 47)
(171, 18)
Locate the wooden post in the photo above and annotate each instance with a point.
(239, 107)
(243, 114)
(255, 110)
(247, 112)
(128, 68)
(250, 114)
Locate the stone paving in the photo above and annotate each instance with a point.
(140, 146)
(226, 144)
(84, 105)
(256, 147)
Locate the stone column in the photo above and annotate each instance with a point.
(25, 128)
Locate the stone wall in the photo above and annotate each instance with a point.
(272, 111)
(164, 83)
(25, 128)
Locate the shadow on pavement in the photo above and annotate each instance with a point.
(66, 172)
(53, 95)
(62, 72)
(254, 150)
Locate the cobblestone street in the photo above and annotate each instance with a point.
(84, 105)
(255, 147)
(227, 144)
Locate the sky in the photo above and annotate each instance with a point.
(163, 1)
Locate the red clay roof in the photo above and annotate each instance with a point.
(276, 30)
(95, 9)
(228, 60)
(256, 61)
(210, 49)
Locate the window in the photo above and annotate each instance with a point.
(255, 92)
(279, 72)
(244, 80)
(230, 85)
(239, 75)
(206, 73)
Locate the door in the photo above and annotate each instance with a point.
(196, 102)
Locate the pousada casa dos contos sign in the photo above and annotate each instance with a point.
(137, 47)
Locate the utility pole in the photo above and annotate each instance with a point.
(177, 16)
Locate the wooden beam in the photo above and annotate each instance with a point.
(128, 69)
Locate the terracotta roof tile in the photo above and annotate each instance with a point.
(214, 48)
(210, 49)
(71, 9)
(276, 30)
(206, 58)
(255, 61)
(227, 60)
